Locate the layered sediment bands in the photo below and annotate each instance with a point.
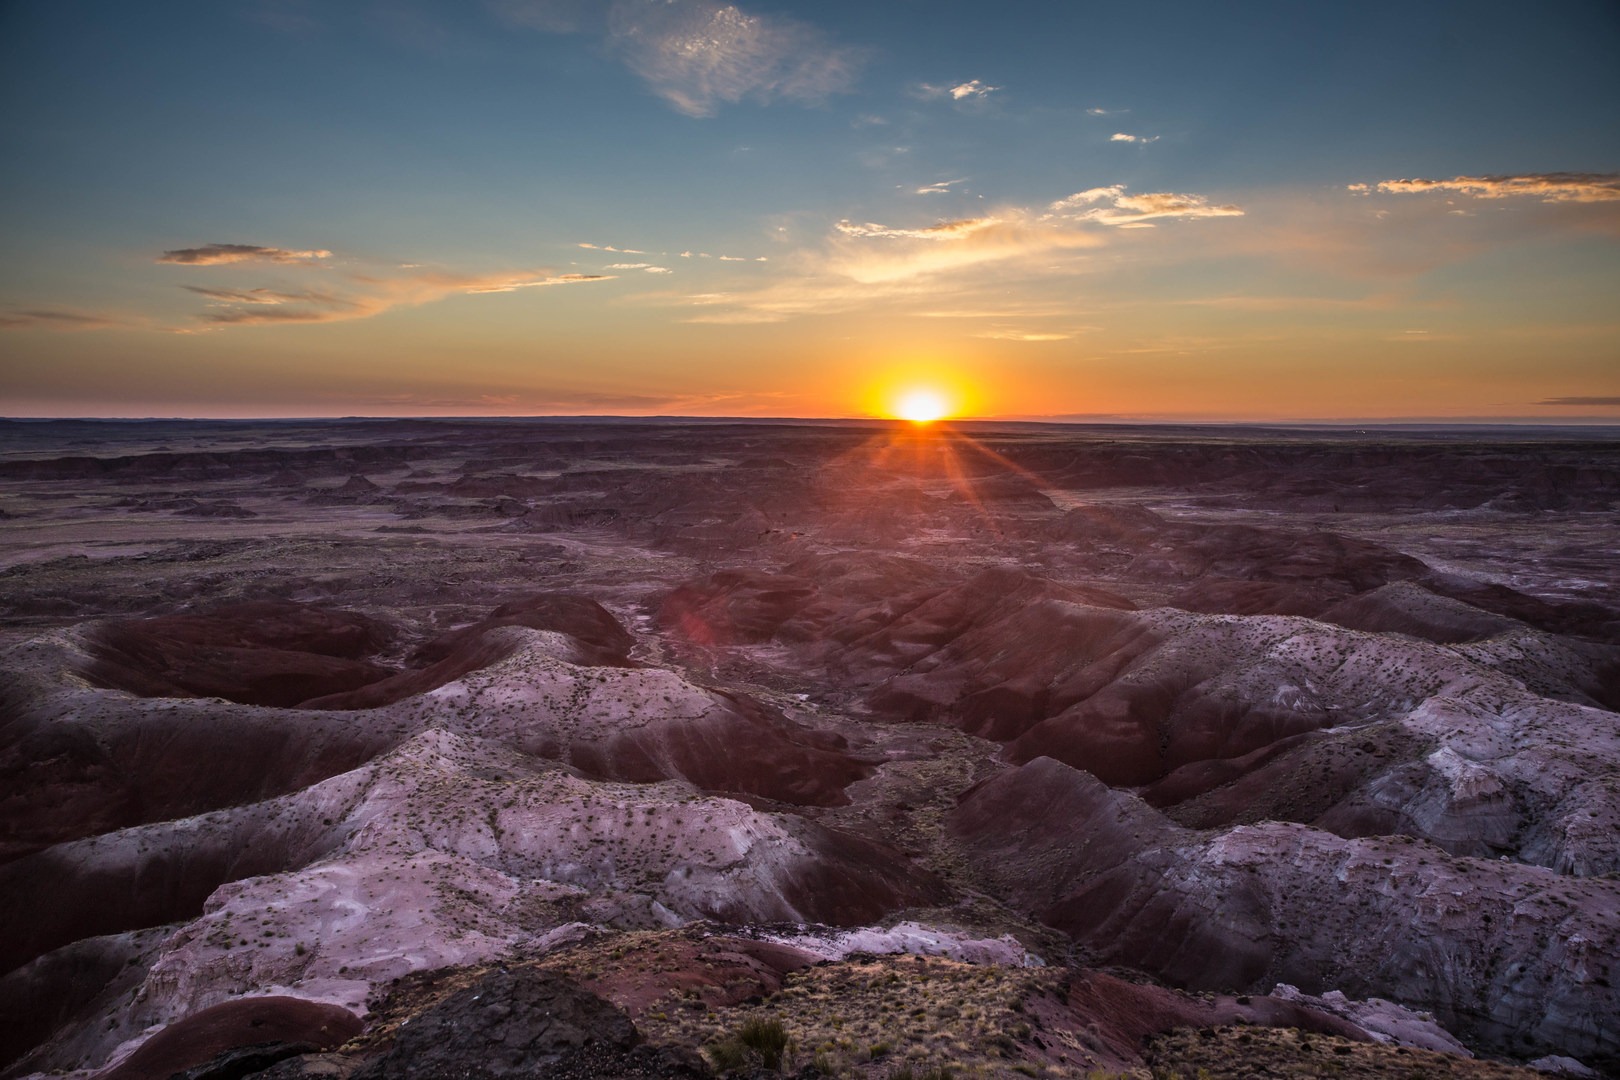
(638, 725)
(1410, 609)
(160, 873)
(1357, 742)
(1272, 716)
(601, 640)
(1472, 941)
(264, 653)
(449, 850)
(81, 762)
(67, 985)
(76, 762)
(307, 1025)
(285, 654)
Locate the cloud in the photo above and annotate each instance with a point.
(962, 91)
(1022, 335)
(1112, 206)
(698, 54)
(610, 247)
(539, 400)
(1557, 187)
(864, 263)
(1106, 112)
(1373, 302)
(224, 254)
(701, 54)
(871, 253)
(943, 187)
(57, 319)
(1141, 140)
(628, 266)
(945, 230)
(362, 296)
(1579, 401)
(264, 296)
(504, 285)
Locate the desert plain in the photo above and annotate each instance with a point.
(572, 748)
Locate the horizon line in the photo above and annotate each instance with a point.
(1066, 419)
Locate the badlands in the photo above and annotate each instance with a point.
(573, 748)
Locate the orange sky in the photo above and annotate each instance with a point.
(229, 211)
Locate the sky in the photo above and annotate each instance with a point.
(1160, 211)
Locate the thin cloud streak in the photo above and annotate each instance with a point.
(370, 296)
(1112, 206)
(945, 230)
(1555, 187)
(58, 319)
(1022, 335)
(225, 254)
(1579, 401)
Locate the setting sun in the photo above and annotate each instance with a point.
(921, 406)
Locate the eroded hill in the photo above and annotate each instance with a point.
(1021, 751)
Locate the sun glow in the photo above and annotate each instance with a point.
(921, 405)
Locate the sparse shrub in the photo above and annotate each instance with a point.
(768, 1037)
(728, 1055)
(906, 1072)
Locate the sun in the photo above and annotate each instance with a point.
(921, 405)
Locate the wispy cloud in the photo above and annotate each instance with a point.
(905, 254)
(1579, 401)
(1112, 206)
(963, 91)
(942, 187)
(1556, 187)
(1375, 302)
(352, 295)
(1140, 140)
(498, 284)
(924, 267)
(610, 247)
(224, 254)
(945, 230)
(1106, 112)
(699, 55)
(58, 319)
(265, 296)
(1023, 335)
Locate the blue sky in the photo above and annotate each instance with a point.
(275, 207)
